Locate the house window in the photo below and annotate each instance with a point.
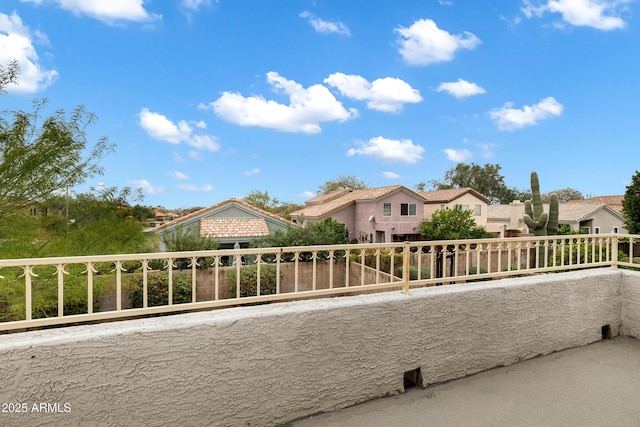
(33, 211)
(596, 230)
(386, 209)
(586, 229)
(478, 210)
(442, 207)
(615, 229)
(465, 207)
(407, 209)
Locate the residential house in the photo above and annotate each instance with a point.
(230, 222)
(466, 197)
(384, 214)
(592, 218)
(614, 202)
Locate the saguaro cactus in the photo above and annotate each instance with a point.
(534, 215)
(539, 222)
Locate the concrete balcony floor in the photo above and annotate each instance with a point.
(594, 385)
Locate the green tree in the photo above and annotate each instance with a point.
(486, 180)
(261, 200)
(264, 201)
(350, 182)
(142, 213)
(564, 195)
(9, 75)
(81, 224)
(182, 239)
(325, 232)
(452, 224)
(631, 205)
(41, 155)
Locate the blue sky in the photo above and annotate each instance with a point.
(208, 100)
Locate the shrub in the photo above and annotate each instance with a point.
(413, 272)
(580, 252)
(370, 259)
(158, 289)
(474, 270)
(249, 280)
(45, 295)
(181, 240)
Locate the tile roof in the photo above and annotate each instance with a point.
(614, 202)
(233, 227)
(567, 212)
(495, 212)
(445, 196)
(219, 205)
(323, 198)
(351, 196)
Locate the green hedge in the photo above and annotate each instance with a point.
(158, 289)
(249, 280)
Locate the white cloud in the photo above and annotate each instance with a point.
(389, 150)
(599, 14)
(16, 43)
(388, 94)
(307, 108)
(325, 27)
(486, 150)
(307, 194)
(161, 128)
(461, 88)
(147, 187)
(107, 11)
(196, 188)
(178, 175)
(423, 43)
(194, 4)
(509, 118)
(458, 156)
(390, 175)
(251, 172)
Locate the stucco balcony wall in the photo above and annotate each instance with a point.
(270, 364)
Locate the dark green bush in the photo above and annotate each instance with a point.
(474, 270)
(413, 272)
(45, 295)
(370, 259)
(158, 289)
(249, 280)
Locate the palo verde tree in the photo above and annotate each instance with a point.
(631, 205)
(41, 154)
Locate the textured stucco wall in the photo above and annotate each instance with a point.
(631, 305)
(266, 365)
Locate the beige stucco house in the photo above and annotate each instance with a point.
(229, 222)
(466, 197)
(593, 218)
